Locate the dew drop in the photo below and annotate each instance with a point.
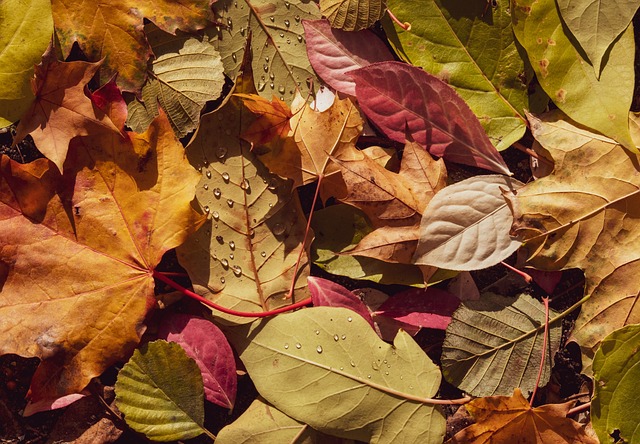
(272, 76)
(225, 176)
(319, 349)
(252, 233)
(222, 280)
(221, 151)
(231, 256)
(266, 59)
(205, 186)
(411, 387)
(282, 34)
(230, 203)
(386, 373)
(281, 89)
(286, 346)
(261, 86)
(272, 85)
(287, 5)
(273, 19)
(229, 22)
(263, 253)
(237, 271)
(233, 54)
(220, 239)
(341, 368)
(336, 338)
(217, 192)
(317, 332)
(287, 23)
(300, 38)
(353, 364)
(242, 30)
(208, 174)
(298, 345)
(288, 41)
(265, 67)
(349, 319)
(206, 209)
(278, 229)
(232, 245)
(205, 162)
(369, 376)
(297, 18)
(225, 263)
(245, 184)
(344, 337)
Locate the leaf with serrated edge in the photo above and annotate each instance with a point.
(24, 35)
(333, 53)
(615, 388)
(244, 256)
(471, 47)
(280, 63)
(164, 405)
(401, 99)
(494, 345)
(570, 220)
(353, 15)
(597, 23)
(599, 104)
(186, 73)
(356, 387)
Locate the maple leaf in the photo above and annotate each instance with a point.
(273, 119)
(61, 109)
(394, 202)
(511, 419)
(79, 280)
(114, 30)
(587, 221)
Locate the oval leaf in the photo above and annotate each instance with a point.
(160, 393)
(420, 307)
(466, 226)
(330, 294)
(327, 368)
(400, 98)
(205, 343)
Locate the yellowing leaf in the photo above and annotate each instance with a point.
(113, 30)
(61, 110)
(504, 419)
(79, 280)
(353, 15)
(588, 221)
(273, 120)
(326, 367)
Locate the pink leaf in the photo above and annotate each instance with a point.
(421, 307)
(207, 345)
(108, 98)
(401, 98)
(329, 294)
(48, 404)
(333, 52)
(547, 280)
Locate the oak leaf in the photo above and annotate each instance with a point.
(79, 281)
(588, 221)
(61, 110)
(114, 30)
(511, 419)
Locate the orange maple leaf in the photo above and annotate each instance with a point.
(61, 110)
(78, 280)
(272, 121)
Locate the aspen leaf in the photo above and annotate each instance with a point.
(511, 419)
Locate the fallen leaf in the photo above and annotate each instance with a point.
(471, 47)
(25, 33)
(333, 53)
(570, 220)
(326, 293)
(88, 261)
(272, 121)
(466, 225)
(510, 419)
(208, 347)
(164, 405)
(61, 110)
(113, 31)
(368, 388)
(353, 15)
(401, 99)
(495, 344)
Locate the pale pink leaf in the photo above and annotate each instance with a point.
(402, 99)
(334, 52)
(421, 307)
(207, 345)
(329, 294)
(47, 404)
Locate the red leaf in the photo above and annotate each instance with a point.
(421, 307)
(207, 345)
(333, 52)
(329, 294)
(401, 98)
(547, 280)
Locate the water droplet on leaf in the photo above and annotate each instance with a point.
(221, 151)
(278, 229)
(230, 203)
(263, 253)
(225, 176)
(287, 23)
(298, 345)
(217, 192)
(237, 271)
(336, 338)
(225, 263)
(208, 174)
(232, 245)
(215, 215)
(319, 349)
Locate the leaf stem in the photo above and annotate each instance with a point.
(520, 273)
(245, 314)
(544, 349)
(406, 25)
(578, 409)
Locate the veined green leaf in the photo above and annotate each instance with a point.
(472, 51)
(353, 15)
(161, 394)
(326, 367)
(601, 104)
(494, 345)
(26, 30)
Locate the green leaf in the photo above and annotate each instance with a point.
(472, 51)
(326, 367)
(280, 63)
(25, 33)
(494, 345)
(597, 23)
(161, 394)
(187, 72)
(353, 15)
(339, 228)
(570, 82)
(615, 404)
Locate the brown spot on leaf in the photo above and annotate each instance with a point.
(544, 65)
(561, 94)
(539, 40)
(551, 42)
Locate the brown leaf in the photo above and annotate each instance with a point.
(61, 110)
(504, 419)
(273, 119)
(79, 282)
